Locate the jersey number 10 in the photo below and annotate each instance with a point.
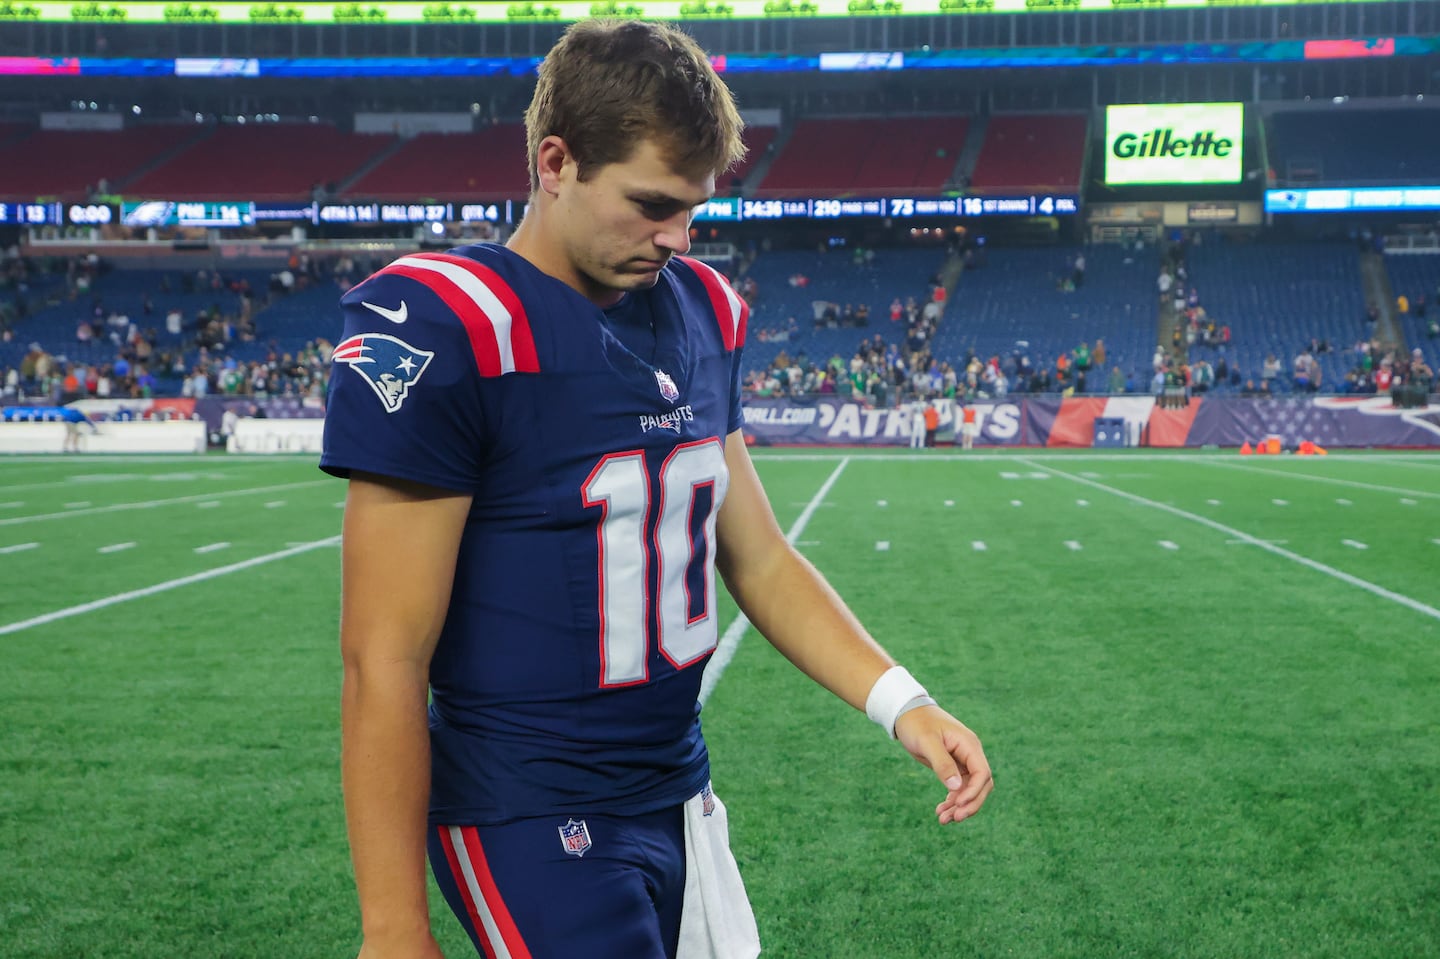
(635, 532)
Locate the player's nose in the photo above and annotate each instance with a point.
(674, 234)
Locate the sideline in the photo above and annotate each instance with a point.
(730, 642)
(1266, 545)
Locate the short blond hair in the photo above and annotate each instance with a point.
(607, 85)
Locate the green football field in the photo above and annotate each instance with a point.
(1209, 686)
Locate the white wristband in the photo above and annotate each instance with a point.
(895, 693)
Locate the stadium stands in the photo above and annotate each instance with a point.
(758, 141)
(1031, 153)
(1276, 297)
(866, 156)
(64, 163)
(1017, 295)
(1412, 276)
(488, 164)
(55, 315)
(835, 278)
(260, 162)
(1353, 148)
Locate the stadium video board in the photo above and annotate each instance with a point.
(1353, 199)
(160, 213)
(736, 209)
(30, 214)
(1154, 143)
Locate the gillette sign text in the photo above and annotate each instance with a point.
(1174, 143)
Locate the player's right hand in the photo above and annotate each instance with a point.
(421, 946)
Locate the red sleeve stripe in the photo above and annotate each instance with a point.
(487, 910)
(490, 311)
(522, 338)
(730, 310)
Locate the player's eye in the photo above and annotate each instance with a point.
(657, 209)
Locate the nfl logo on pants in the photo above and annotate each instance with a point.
(575, 837)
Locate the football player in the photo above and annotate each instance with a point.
(546, 469)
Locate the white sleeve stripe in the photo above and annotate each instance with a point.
(730, 296)
(735, 306)
(488, 303)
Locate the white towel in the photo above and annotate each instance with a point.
(716, 922)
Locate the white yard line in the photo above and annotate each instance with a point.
(730, 642)
(1324, 479)
(19, 547)
(70, 482)
(1431, 463)
(115, 548)
(162, 587)
(150, 504)
(1230, 531)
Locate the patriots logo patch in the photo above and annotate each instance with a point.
(668, 390)
(389, 364)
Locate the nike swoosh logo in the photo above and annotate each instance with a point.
(394, 316)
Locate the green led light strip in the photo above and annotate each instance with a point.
(567, 10)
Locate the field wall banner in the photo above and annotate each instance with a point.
(825, 420)
(1053, 421)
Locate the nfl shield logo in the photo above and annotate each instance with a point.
(668, 389)
(575, 837)
(707, 801)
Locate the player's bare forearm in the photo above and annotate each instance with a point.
(803, 617)
(806, 620)
(385, 768)
(784, 595)
(399, 553)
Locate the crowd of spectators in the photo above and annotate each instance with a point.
(220, 348)
(217, 350)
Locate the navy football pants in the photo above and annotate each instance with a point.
(547, 888)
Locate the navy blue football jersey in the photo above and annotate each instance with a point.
(584, 605)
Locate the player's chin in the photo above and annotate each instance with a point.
(635, 276)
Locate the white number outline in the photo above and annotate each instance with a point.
(627, 536)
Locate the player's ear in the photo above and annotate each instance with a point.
(555, 164)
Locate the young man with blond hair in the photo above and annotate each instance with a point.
(546, 470)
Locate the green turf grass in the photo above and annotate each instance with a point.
(1211, 750)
